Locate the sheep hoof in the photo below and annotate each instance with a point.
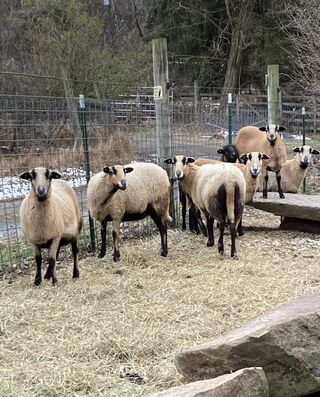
(163, 253)
(116, 256)
(101, 255)
(47, 276)
(76, 274)
(282, 196)
(240, 233)
(210, 244)
(37, 281)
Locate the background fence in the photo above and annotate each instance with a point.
(38, 130)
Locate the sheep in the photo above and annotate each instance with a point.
(253, 164)
(251, 138)
(131, 192)
(229, 153)
(218, 190)
(294, 171)
(50, 218)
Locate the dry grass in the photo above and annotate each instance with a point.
(81, 338)
(118, 149)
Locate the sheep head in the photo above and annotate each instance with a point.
(40, 178)
(180, 165)
(304, 153)
(116, 175)
(272, 132)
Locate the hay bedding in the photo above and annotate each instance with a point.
(115, 331)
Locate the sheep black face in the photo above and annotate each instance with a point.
(40, 179)
(229, 154)
(117, 173)
(305, 153)
(179, 165)
(272, 132)
(254, 162)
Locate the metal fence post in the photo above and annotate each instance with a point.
(303, 111)
(82, 106)
(230, 118)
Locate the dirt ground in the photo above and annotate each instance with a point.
(116, 330)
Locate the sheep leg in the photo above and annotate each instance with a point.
(183, 202)
(38, 258)
(103, 248)
(278, 177)
(193, 219)
(222, 225)
(115, 237)
(265, 186)
(210, 242)
(201, 224)
(240, 230)
(51, 271)
(74, 248)
(233, 234)
(162, 227)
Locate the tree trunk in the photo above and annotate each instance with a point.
(241, 20)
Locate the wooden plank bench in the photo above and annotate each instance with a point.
(297, 211)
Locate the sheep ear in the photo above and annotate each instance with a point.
(190, 160)
(168, 161)
(296, 150)
(55, 175)
(263, 129)
(26, 175)
(220, 151)
(244, 157)
(127, 170)
(315, 151)
(281, 128)
(265, 157)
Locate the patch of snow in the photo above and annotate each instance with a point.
(14, 187)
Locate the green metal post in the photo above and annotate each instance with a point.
(230, 118)
(87, 163)
(303, 111)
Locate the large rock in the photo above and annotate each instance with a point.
(247, 382)
(285, 343)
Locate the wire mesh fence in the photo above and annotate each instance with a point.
(39, 131)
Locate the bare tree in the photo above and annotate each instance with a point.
(304, 31)
(240, 21)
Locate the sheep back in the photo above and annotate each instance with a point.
(210, 178)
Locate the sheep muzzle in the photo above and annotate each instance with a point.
(41, 193)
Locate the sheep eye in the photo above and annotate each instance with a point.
(184, 161)
(47, 173)
(114, 171)
(33, 174)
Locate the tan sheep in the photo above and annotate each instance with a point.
(250, 139)
(124, 193)
(293, 172)
(218, 190)
(50, 218)
(251, 169)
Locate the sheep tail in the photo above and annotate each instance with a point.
(233, 197)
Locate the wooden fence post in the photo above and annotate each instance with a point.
(72, 107)
(161, 99)
(274, 103)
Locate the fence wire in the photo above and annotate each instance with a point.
(39, 131)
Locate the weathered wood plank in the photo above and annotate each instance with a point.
(302, 206)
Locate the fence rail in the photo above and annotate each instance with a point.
(38, 130)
